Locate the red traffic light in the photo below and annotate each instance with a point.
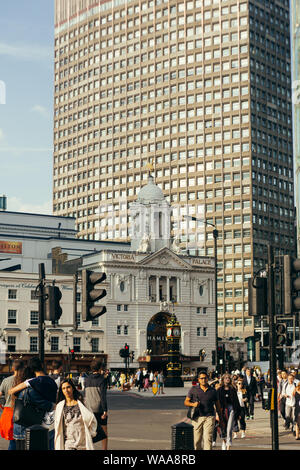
(72, 351)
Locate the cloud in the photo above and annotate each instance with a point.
(27, 52)
(15, 204)
(41, 110)
(1, 135)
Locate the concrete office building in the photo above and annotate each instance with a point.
(202, 90)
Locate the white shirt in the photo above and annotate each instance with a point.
(240, 397)
(290, 401)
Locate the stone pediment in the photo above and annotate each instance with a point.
(165, 258)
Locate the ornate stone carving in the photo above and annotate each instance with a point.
(175, 245)
(145, 244)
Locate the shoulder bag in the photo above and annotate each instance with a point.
(26, 413)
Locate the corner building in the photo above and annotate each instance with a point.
(202, 90)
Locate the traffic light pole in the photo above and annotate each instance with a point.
(272, 348)
(41, 336)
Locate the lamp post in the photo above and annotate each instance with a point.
(215, 235)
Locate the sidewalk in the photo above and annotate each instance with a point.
(168, 391)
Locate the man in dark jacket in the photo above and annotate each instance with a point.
(95, 399)
(250, 384)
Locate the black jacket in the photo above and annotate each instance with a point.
(252, 387)
(233, 398)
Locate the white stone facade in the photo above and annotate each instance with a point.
(130, 307)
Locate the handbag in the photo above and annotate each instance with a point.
(193, 412)
(25, 413)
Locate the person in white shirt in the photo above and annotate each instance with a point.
(242, 396)
(288, 394)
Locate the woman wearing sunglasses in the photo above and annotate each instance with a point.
(242, 396)
(230, 406)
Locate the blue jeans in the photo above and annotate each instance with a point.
(51, 439)
(12, 445)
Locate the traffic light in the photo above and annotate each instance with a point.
(281, 332)
(72, 354)
(291, 285)
(220, 352)
(126, 349)
(91, 293)
(53, 310)
(213, 361)
(258, 296)
(132, 355)
(122, 353)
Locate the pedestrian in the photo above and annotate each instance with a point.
(75, 425)
(151, 378)
(297, 410)
(146, 382)
(140, 379)
(216, 384)
(42, 392)
(288, 394)
(281, 399)
(96, 401)
(251, 386)
(205, 401)
(242, 396)
(81, 381)
(294, 374)
(6, 420)
(56, 375)
(260, 382)
(161, 381)
(230, 409)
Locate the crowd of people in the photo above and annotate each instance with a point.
(75, 416)
(288, 395)
(141, 380)
(223, 404)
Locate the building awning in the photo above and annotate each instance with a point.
(10, 330)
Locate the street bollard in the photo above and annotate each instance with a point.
(36, 438)
(182, 436)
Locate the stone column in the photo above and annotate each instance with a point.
(157, 288)
(168, 289)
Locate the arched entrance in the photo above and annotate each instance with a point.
(157, 341)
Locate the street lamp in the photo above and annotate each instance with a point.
(215, 235)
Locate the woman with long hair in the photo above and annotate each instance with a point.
(242, 396)
(75, 425)
(230, 407)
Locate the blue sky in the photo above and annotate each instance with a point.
(26, 117)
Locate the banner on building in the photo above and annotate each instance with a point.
(10, 247)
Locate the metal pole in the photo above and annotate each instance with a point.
(272, 349)
(75, 282)
(41, 336)
(215, 235)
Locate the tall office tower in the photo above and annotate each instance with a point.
(295, 21)
(199, 88)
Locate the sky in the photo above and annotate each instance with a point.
(26, 104)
